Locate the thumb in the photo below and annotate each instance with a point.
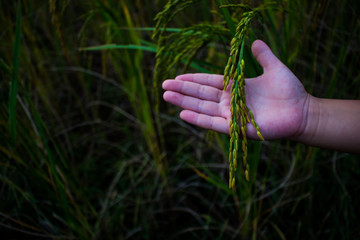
(264, 55)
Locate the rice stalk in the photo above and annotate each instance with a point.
(171, 9)
(55, 20)
(235, 70)
(185, 44)
(181, 47)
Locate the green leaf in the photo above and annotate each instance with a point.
(149, 29)
(14, 75)
(115, 46)
(227, 17)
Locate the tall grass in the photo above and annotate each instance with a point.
(14, 75)
(84, 154)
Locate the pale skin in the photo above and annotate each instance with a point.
(281, 106)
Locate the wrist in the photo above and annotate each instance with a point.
(310, 124)
(331, 124)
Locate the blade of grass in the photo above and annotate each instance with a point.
(149, 29)
(211, 178)
(227, 17)
(115, 46)
(272, 32)
(4, 67)
(14, 75)
(137, 47)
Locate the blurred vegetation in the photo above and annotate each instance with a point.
(84, 154)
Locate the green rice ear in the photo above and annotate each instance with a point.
(180, 48)
(235, 70)
(171, 9)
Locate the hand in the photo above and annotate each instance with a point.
(277, 99)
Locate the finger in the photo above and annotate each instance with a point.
(193, 104)
(213, 80)
(264, 55)
(193, 89)
(218, 124)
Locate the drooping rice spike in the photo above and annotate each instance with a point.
(255, 125)
(239, 111)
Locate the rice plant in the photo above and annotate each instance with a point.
(235, 70)
(85, 154)
(185, 44)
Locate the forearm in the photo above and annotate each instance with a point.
(332, 124)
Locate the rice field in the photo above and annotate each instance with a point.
(89, 150)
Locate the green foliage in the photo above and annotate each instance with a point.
(182, 47)
(14, 75)
(171, 9)
(93, 160)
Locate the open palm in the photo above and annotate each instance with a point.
(277, 98)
